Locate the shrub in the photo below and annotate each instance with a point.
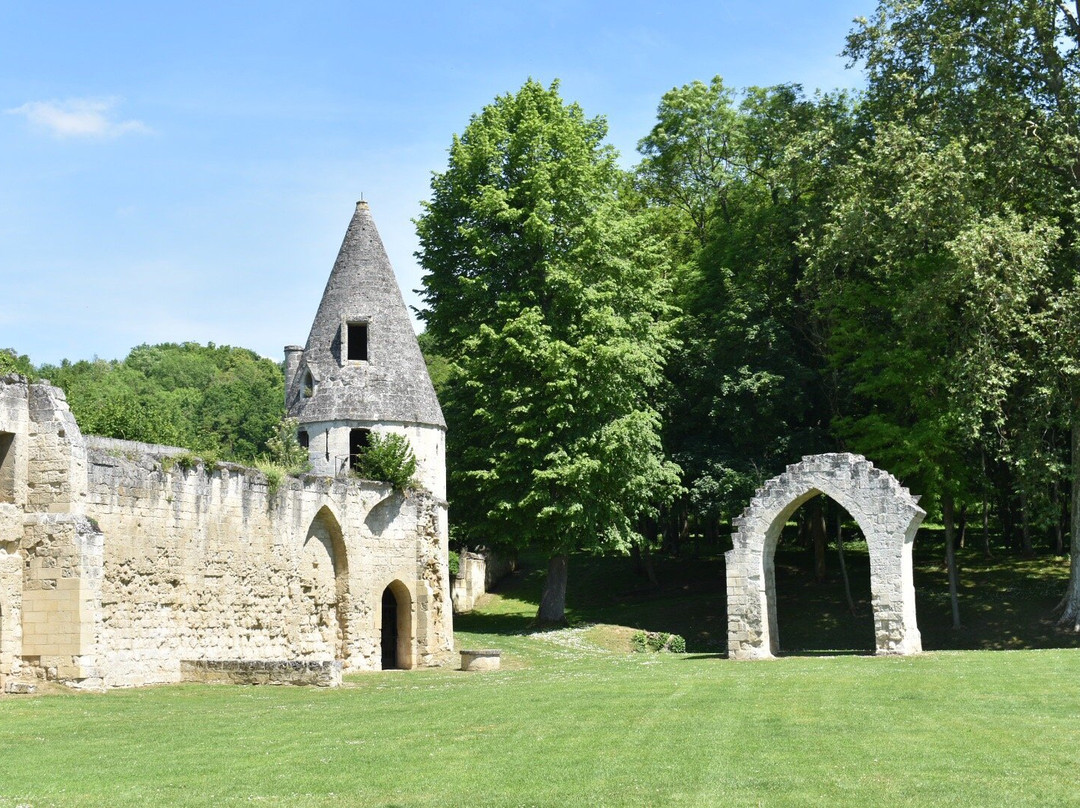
(654, 641)
(284, 449)
(455, 563)
(388, 458)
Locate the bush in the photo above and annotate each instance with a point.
(388, 458)
(655, 641)
(455, 564)
(284, 450)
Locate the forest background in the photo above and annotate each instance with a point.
(892, 272)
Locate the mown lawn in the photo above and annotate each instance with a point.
(573, 719)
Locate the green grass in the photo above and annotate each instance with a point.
(573, 719)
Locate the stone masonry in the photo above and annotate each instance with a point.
(889, 517)
(118, 565)
(123, 564)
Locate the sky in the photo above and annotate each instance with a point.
(174, 172)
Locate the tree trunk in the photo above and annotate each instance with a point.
(950, 557)
(986, 526)
(820, 537)
(843, 564)
(647, 563)
(962, 530)
(1025, 526)
(552, 609)
(1070, 616)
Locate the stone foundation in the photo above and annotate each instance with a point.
(244, 672)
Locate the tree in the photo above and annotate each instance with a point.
(546, 295)
(1005, 77)
(214, 398)
(740, 179)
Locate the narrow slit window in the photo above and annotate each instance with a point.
(309, 384)
(357, 338)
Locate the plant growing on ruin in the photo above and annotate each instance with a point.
(388, 458)
(284, 449)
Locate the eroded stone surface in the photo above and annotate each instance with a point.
(888, 516)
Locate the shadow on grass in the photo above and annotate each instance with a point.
(1005, 602)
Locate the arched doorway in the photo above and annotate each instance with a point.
(324, 583)
(823, 601)
(395, 635)
(888, 516)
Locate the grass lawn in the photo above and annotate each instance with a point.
(574, 719)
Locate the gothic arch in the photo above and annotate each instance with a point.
(889, 517)
(324, 576)
(396, 628)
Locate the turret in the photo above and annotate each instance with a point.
(361, 370)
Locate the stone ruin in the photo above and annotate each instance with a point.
(889, 517)
(122, 566)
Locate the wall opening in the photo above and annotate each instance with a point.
(395, 641)
(813, 610)
(309, 384)
(303, 438)
(357, 341)
(389, 630)
(324, 578)
(359, 440)
(7, 467)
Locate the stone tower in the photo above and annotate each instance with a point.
(361, 370)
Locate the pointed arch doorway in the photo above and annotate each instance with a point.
(887, 514)
(395, 636)
(324, 585)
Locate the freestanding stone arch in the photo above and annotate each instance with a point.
(889, 517)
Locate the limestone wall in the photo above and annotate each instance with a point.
(477, 573)
(211, 564)
(117, 563)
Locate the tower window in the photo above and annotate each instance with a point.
(359, 439)
(303, 439)
(357, 341)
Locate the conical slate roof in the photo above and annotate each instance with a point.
(392, 383)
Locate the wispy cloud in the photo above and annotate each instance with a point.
(79, 117)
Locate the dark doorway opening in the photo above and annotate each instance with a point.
(389, 630)
(303, 439)
(359, 440)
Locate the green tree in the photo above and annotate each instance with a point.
(741, 177)
(216, 399)
(1002, 80)
(547, 297)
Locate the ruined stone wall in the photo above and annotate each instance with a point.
(118, 562)
(212, 564)
(477, 573)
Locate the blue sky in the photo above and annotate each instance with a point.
(176, 172)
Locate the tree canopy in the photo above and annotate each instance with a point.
(212, 399)
(547, 295)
